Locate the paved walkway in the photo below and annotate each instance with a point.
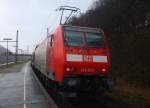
(20, 90)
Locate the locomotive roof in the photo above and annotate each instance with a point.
(82, 29)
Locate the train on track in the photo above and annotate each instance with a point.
(73, 59)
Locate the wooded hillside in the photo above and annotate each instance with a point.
(128, 25)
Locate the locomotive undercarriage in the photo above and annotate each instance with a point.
(86, 83)
(76, 84)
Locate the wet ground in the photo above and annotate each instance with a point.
(118, 98)
(18, 89)
(100, 101)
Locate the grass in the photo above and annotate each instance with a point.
(15, 67)
(132, 96)
(10, 65)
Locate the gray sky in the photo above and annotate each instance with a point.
(31, 18)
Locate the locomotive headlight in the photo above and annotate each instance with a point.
(70, 69)
(103, 70)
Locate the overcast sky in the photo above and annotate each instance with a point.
(31, 18)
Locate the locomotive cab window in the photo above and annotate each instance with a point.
(84, 39)
(95, 40)
(73, 38)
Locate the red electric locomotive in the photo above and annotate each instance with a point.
(74, 59)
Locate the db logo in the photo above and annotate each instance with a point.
(87, 58)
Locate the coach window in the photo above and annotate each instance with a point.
(52, 40)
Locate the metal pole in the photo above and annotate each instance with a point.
(68, 17)
(22, 55)
(27, 52)
(6, 40)
(16, 58)
(27, 49)
(61, 16)
(47, 32)
(7, 55)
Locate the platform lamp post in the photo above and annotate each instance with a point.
(10, 40)
(16, 56)
(16, 47)
(7, 40)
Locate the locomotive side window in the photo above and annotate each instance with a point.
(52, 40)
(95, 40)
(73, 38)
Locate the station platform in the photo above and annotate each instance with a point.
(21, 90)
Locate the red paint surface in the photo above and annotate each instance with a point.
(56, 58)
